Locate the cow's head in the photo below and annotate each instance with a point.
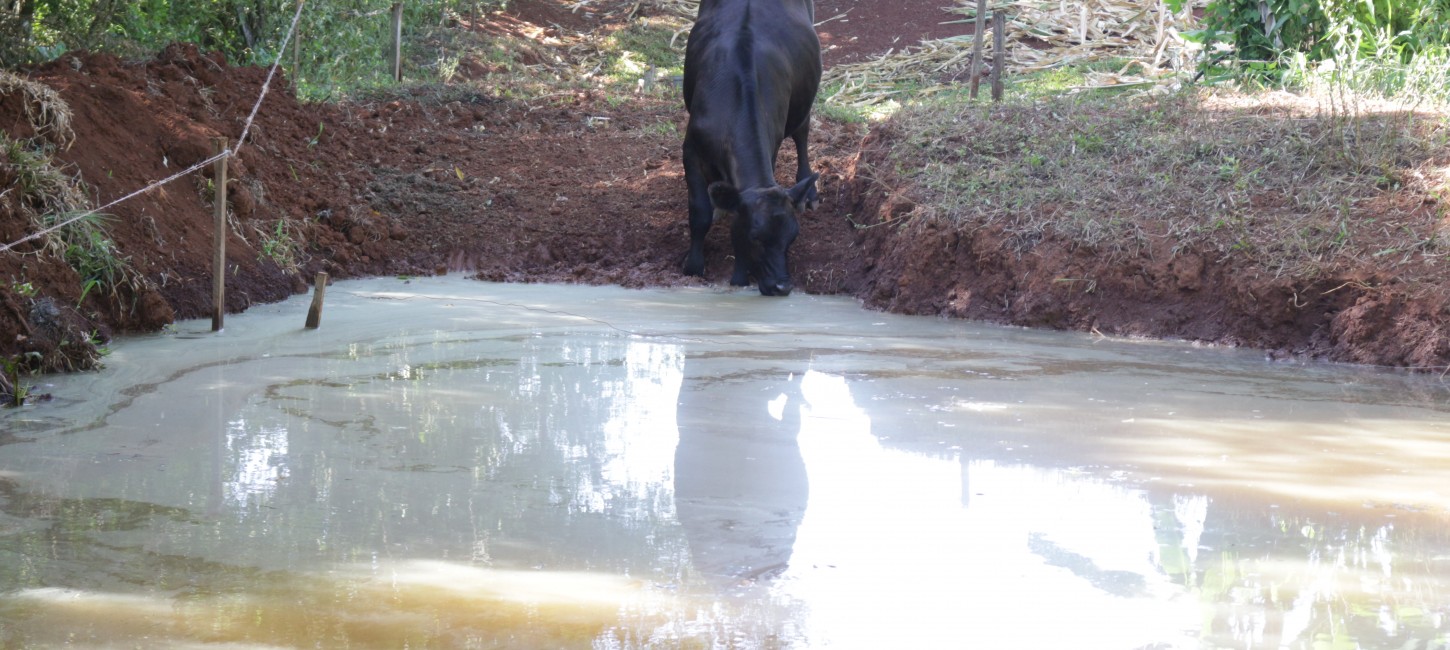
(767, 219)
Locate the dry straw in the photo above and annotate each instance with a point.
(1041, 34)
(47, 113)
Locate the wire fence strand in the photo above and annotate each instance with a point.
(246, 128)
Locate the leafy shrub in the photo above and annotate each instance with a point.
(344, 43)
(1266, 30)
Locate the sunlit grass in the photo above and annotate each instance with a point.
(1111, 172)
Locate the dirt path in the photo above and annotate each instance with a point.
(571, 188)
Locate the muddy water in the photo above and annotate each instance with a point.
(450, 464)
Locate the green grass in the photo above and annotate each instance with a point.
(48, 196)
(1062, 80)
(836, 111)
(1295, 192)
(639, 56)
(1348, 82)
(276, 244)
(647, 42)
(643, 58)
(90, 251)
(663, 128)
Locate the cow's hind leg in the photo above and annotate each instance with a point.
(803, 162)
(702, 213)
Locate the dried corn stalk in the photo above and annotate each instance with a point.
(683, 8)
(1041, 34)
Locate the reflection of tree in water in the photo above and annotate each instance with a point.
(1264, 576)
(598, 428)
(1294, 581)
(257, 463)
(564, 444)
(93, 543)
(740, 480)
(578, 458)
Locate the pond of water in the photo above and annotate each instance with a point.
(448, 463)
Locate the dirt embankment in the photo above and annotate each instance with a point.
(1366, 310)
(571, 188)
(136, 123)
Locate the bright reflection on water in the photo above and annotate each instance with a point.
(455, 464)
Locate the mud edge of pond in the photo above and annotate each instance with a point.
(510, 191)
(927, 267)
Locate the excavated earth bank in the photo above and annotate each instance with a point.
(574, 188)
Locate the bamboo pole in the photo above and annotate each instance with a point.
(319, 288)
(397, 41)
(981, 28)
(219, 236)
(297, 56)
(999, 52)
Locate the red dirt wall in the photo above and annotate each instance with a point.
(576, 189)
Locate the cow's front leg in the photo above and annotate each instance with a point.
(726, 198)
(803, 163)
(744, 251)
(702, 213)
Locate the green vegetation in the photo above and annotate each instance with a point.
(1375, 48)
(12, 391)
(1064, 80)
(642, 48)
(1293, 190)
(825, 108)
(643, 58)
(1268, 30)
(49, 197)
(43, 29)
(1295, 183)
(280, 247)
(343, 47)
(93, 255)
(344, 44)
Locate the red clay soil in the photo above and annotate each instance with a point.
(856, 30)
(572, 189)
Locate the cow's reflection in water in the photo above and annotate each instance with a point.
(740, 481)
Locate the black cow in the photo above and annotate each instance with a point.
(752, 68)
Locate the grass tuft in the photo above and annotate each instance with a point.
(47, 196)
(282, 244)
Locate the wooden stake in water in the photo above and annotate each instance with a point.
(314, 313)
(397, 41)
(219, 236)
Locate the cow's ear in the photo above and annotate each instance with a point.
(804, 191)
(724, 196)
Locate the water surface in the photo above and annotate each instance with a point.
(447, 463)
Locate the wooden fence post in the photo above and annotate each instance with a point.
(219, 236)
(297, 55)
(314, 313)
(397, 41)
(981, 28)
(999, 52)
